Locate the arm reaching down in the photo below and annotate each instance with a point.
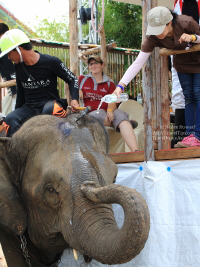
(132, 71)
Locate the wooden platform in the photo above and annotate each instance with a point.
(160, 155)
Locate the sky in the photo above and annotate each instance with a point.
(27, 10)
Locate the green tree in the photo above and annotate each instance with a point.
(56, 30)
(123, 24)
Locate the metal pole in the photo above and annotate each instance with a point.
(93, 35)
(96, 21)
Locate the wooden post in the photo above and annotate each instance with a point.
(158, 130)
(73, 28)
(96, 50)
(147, 79)
(103, 48)
(2, 258)
(168, 52)
(7, 83)
(165, 103)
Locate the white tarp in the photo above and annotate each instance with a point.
(171, 190)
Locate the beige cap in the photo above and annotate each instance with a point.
(157, 19)
(96, 58)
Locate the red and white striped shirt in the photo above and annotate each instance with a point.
(178, 7)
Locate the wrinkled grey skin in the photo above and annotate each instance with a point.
(56, 181)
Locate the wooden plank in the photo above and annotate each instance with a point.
(96, 49)
(128, 157)
(8, 83)
(165, 103)
(168, 52)
(179, 153)
(160, 155)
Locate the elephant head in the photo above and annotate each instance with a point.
(61, 185)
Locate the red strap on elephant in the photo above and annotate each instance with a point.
(58, 111)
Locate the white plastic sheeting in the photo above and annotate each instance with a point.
(172, 192)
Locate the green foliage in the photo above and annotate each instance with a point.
(123, 24)
(56, 30)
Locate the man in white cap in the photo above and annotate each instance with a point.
(169, 30)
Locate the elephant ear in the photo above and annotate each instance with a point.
(12, 210)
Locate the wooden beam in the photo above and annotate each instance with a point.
(103, 48)
(97, 49)
(165, 130)
(160, 155)
(7, 83)
(73, 29)
(148, 83)
(83, 58)
(179, 153)
(157, 134)
(168, 52)
(128, 157)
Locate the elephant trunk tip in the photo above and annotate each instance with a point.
(88, 188)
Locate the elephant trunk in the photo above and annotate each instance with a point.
(104, 241)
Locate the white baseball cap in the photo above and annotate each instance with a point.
(157, 19)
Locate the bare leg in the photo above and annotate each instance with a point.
(128, 135)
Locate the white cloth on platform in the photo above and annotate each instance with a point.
(171, 190)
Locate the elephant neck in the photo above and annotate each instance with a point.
(35, 257)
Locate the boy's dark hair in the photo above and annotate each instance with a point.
(175, 15)
(26, 46)
(3, 28)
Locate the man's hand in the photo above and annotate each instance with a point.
(110, 115)
(74, 105)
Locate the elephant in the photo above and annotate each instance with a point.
(56, 192)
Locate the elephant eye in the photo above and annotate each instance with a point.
(51, 190)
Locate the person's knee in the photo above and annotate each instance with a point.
(10, 119)
(119, 117)
(124, 124)
(48, 108)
